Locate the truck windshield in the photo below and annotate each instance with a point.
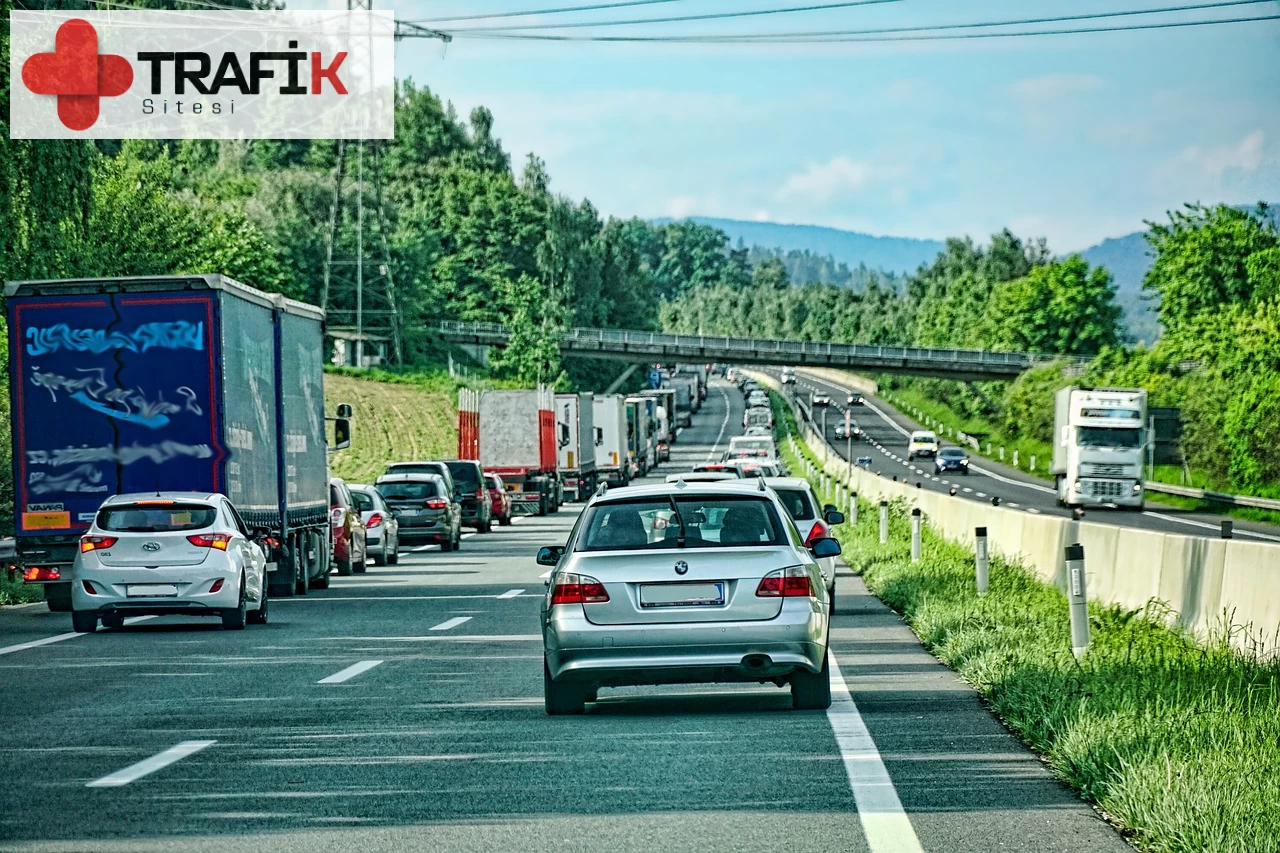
(657, 524)
(1108, 437)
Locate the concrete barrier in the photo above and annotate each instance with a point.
(1208, 585)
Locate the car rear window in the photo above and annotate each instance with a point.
(653, 524)
(797, 503)
(364, 503)
(925, 438)
(156, 518)
(492, 483)
(465, 475)
(410, 491)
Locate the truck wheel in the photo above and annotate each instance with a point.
(84, 621)
(291, 559)
(58, 595)
(542, 504)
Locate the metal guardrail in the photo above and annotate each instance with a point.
(1216, 497)
(760, 350)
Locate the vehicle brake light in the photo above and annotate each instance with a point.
(819, 531)
(785, 583)
(435, 503)
(216, 541)
(42, 573)
(374, 520)
(96, 543)
(336, 516)
(578, 589)
(479, 494)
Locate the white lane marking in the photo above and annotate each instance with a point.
(350, 672)
(979, 494)
(967, 489)
(511, 593)
(422, 548)
(993, 475)
(449, 624)
(723, 424)
(884, 821)
(32, 644)
(1033, 510)
(545, 574)
(1192, 522)
(1012, 504)
(150, 765)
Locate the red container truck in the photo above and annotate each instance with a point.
(513, 434)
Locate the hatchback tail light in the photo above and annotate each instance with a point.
(374, 520)
(785, 583)
(96, 543)
(216, 541)
(435, 503)
(578, 589)
(819, 531)
(336, 516)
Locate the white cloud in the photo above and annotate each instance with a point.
(1245, 155)
(682, 206)
(760, 216)
(1052, 87)
(822, 182)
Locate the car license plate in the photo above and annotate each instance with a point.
(682, 594)
(407, 513)
(151, 589)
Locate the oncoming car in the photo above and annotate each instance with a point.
(951, 459)
(922, 443)
(164, 554)
(685, 583)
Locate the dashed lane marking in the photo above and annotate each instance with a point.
(33, 644)
(148, 766)
(450, 624)
(511, 593)
(350, 672)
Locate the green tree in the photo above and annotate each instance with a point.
(1058, 307)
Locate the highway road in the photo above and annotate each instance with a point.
(887, 431)
(402, 710)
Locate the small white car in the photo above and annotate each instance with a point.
(820, 399)
(922, 443)
(812, 520)
(381, 529)
(168, 553)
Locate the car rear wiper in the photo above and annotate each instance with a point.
(679, 520)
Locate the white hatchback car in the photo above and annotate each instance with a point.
(812, 520)
(169, 553)
(922, 443)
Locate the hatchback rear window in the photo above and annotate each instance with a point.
(797, 503)
(659, 523)
(155, 518)
(409, 491)
(466, 476)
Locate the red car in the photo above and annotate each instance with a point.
(346, 529)
(499, 500)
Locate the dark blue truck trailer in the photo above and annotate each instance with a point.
(187, 383)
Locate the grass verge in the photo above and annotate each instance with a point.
(1177, 742)
(16, 592)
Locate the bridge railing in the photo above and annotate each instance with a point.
(748, 349)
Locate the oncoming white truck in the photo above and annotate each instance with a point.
(1099, 438)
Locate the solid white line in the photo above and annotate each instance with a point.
(350, 672)
(723, 424)
(451, 623)
(884, 821)
(22, 647)
(1193, 523)
(150, 765)
(511, 593)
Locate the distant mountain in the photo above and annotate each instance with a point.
(890, 254)
(1128, 260)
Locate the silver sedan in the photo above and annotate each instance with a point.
(685, 583)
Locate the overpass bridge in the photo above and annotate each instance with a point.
(642, 347)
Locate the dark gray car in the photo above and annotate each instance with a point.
(425, 508)
(468, 479)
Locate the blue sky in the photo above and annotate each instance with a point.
(1074, 138)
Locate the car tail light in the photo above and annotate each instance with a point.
(435, 503)
(96, 543)
(217, 585)
(479, 494)
(374, 520)
(42, 573)
(785, 583)
(578, 589)
(336, 516)
(819, 531)
(216, 541)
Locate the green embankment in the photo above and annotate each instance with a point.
(1178, 743)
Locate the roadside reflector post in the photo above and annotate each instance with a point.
(1078, 599)
(1226, 528)
(884, 522)
(980, 551)
(916, 523)
(1001, 454)
(1015, 458)
(1032, 466)
(853, 508)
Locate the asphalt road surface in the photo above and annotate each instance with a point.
(402, 710)
(887, 431)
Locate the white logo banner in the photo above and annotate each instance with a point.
(202, 75)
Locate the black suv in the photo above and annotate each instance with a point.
(468, 483)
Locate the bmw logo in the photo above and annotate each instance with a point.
(682, 567)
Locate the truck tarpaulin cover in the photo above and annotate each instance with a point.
(111, 394)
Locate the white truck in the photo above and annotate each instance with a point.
(576, 436)
(1099, 439)
(686, 388)
(610, 418)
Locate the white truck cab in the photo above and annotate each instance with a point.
(1099, 442)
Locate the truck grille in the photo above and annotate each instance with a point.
(1095, 469)
(1107, 488)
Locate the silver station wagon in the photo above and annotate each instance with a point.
(685, 583)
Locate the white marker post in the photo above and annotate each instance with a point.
(853, 507)
(983, 567)
(916, 523)
(884, 522)
(1079, 601)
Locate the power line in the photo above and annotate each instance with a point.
(676, 19)
(869, 39)
(592, 8)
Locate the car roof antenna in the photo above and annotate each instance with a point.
(763, 486)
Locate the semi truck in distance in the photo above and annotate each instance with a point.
(169, 383)
(665, 413)
(639, 442)
(576, 437)
(513, 434)
(1099, 439)
(610, 417)
(686, 392)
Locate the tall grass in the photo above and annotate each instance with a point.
(1179, 743)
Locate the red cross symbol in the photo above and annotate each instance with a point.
(77, 74)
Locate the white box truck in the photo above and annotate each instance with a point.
(576, 437)
(1099, 438)
(610, 417)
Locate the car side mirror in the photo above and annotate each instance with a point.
(833, 516)
(550, 555)
(825, 548)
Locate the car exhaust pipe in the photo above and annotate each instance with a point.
(757, 662)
